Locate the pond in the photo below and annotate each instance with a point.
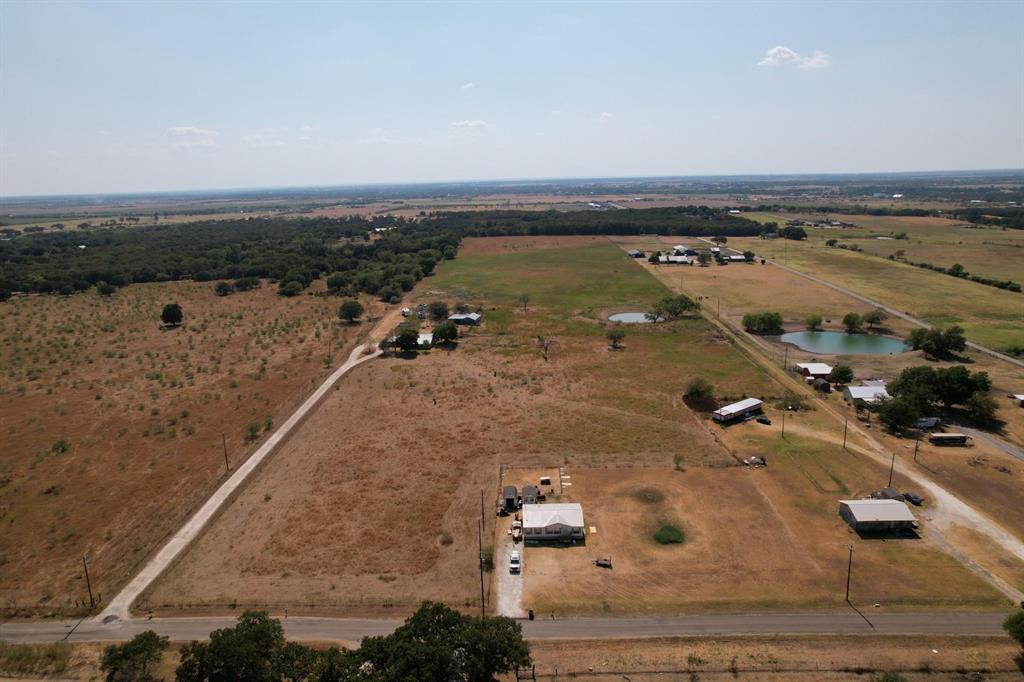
(840, 343)
(629, 318)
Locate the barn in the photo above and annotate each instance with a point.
(737, 410)
(552, 522)
(876, 516)
(816, 370)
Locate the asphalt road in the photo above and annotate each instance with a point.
(354, 629)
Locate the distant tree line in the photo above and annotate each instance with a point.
(958, 270)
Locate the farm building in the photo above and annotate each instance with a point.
(869, 394)
(509, 496)
(737, 410)
(531, 495)
(822, 385)
(737, 258)
(816, 370)
(465, 318)
(867, 516)
(676, 260)
(948, 439)
(552, 522)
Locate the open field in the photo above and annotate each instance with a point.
(992, 317)
(357, 512)
(115, 428)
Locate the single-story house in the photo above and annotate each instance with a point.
(557, 522)
(635, 253)
(677, 260)
(508, 498)
(531, 495)
(817, 370)
(465, 318)
(869, 394)
(423, 339)
(737, 410)
(869, 516)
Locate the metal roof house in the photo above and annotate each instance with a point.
(869, 394)
(465, 318)
(552, 522)
(818, 370)
(873, 516)
(530, 494)
(737, 410)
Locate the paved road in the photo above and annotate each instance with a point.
(354, 629)
(119, 606)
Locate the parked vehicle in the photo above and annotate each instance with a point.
(517, 531)
(764, 420)
(515, 562)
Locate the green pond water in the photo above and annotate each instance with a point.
(840, 343)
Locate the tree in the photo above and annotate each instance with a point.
(438, 310)
(673, 307)
(875, 317)
(350, 310)
(5, 295)
(223, 289)
(699, 394)
(524, 300)
(1014, 626)
(289, 289)
(252, 650)
(831, 243)
(982, 408)
(172, 315)
(841, 374)
(446, 332)
(703, 258)
(131, 661)
(813, 322)
(938, 343)
(105, 289)
(763, 323)
(616, 336)
(437, 644)
(720, 240)
(898, 413)
(852, 322)
(408, 340)
(955, 385)
(792, 232)
(748, 256)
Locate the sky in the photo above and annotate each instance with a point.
(152, 96)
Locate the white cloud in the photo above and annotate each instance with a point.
(468, 86)
(782, 56)
(190, 136)
(472, 124)
(604, 117)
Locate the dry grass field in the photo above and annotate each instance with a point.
(112, 425)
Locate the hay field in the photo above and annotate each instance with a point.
(112, 426)
(373, 504)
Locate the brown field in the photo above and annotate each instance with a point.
(113, 425)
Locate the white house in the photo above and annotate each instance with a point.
(737, 410)
(547, 522)
(815, 370)
(869, 394)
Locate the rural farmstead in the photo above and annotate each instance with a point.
(816, 370)
(552, 522)
(737, 410)
(873, 516)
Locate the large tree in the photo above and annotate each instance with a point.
(350, 310)
(446, 332)
(408, 340)
(132, 661)
(673, 307)
(172, 315)
(852, 322)
(438, 310)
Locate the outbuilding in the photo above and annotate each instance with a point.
(816, 370)
(509, 496)
(869, 394)
(822, 385)
(466, 318)
(876, 516)
(737, 410)
(531, 495)
(552, 522)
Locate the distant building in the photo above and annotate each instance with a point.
(816, 370)
(466, 318)
(737, 410)
(869, 394)
(874, 516)
(552, 522)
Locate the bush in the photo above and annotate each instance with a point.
(247, 283)
(105, 289)
(292, 288)
(223, 289)
(172, 315)
(34, 658)
(700, 395)
(1014, 626)
(438, 310)
(853, 322)
(763, 323)
(668, 535)
(813, 322)
(130, 662)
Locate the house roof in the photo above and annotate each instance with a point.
(544, 515)
(868, 393)
(475, 317)
(737, 408)
(425, 339)
(878, 510)
(815, 367)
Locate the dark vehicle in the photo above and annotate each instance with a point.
(764, 420)
(603, 563)
(913, 499)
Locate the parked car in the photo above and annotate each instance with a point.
(913, 499)
(515, 562)
(764, 420)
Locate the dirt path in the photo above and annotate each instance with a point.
(119, 607)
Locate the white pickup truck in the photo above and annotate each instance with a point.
(515, 562)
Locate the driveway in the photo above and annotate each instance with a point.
(508, 588)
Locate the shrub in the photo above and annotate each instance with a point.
(668, 535)
(131, 661)
(350, 310)
(763, 323)
(813, 322)
(172, 315)
(853, 322)
(438, 310)
(223, 289)
(292, 288)
(1014, 626)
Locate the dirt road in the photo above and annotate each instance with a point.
(119, 607)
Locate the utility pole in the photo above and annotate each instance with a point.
(917, 444)
(783, 423)
(88, 583)
(785, 360)
(891, 467)
(846, 424)
(224, 442)
(481, 506)
(480, 557)
(849, 570)
(718, 314)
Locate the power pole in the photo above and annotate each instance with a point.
(481, 506)
(785, 360)
(224, 442)
(846, 424)
(849, 570)
(88, 583)
(783, 423)
(480, 556)
(917, 444)
(891, 467)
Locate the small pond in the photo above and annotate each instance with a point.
(629, 318)
(841, 343)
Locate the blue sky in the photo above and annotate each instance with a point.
(108, 97)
